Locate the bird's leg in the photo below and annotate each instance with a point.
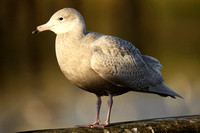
(97, 120)
(110, 103)
(107, 122)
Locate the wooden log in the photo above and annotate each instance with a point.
(158, 125)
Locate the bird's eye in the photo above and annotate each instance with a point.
(61, 18)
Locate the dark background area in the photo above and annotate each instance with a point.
(34, 94)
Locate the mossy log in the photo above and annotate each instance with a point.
(158, 125)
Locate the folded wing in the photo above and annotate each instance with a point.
(120, 63)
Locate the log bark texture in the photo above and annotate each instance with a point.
(158, 125)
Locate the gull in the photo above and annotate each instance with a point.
(102, 64)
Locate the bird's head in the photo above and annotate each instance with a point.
(63, 21)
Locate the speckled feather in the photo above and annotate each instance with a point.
(122, 64)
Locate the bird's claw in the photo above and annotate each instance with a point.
(101, 125)
(95, 125)
(89, 125)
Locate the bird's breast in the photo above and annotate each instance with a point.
(75, 64)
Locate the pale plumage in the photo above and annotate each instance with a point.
(102, 64)
(120, 63)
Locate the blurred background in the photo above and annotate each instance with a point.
(34, 94)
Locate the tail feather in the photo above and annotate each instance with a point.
(163, 90)
(151, 61)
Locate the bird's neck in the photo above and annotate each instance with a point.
(70, 39)
(77, 32)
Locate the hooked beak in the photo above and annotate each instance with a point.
(41, 28)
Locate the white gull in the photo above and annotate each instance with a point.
(102, 64)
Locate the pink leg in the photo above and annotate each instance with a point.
(97, 121)
(107, 122)
(110, 103)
